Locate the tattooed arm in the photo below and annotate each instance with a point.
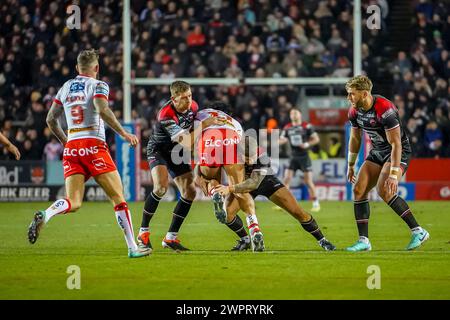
(252, 183)
(52, 122)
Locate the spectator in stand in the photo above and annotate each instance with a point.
(334, 147)
(433, 140)
(236, 39)
(414, 134)
(29, 152)
(426, 8)
(196, 39)
(402, 64)
(53, 150)
(317, 153)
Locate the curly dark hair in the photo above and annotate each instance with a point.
(221, 106)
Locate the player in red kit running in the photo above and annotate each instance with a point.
(84, 100)
(386, 163)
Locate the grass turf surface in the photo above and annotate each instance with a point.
(293, 266)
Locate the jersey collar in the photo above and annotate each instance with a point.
(371, 107)
(85, 75)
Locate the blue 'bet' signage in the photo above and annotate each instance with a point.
(128, 164)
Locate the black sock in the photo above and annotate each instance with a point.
(237, 226)
(312, 227)
(150, 206)
(402, 209)
(362, 214)
(180, 212)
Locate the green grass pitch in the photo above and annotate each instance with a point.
(293, 266)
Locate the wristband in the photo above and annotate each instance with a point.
(393, 176)
(394, 171)
(306, 145)
(351, 158)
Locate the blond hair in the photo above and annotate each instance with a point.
(359, 83)
(87, 58)
(178, 87)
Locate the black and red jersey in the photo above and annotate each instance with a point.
(381, 117)
(263, 162)
(298, 134)
(170, 125)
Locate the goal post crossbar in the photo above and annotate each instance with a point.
(128, 81)
(242, 81)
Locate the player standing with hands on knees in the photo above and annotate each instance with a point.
(84, 100)
(9, 146)
(386, 163)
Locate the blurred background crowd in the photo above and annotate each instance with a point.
(220, 38)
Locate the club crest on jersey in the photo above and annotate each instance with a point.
(99, 164)
(76, 87)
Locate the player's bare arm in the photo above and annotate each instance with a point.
(248, 185)
(9, 146)
(187, 139)
(353, 149)
(312, 141)
(394, 138)
(108, 116)
(282, 140)
(200, 181)
(52, 122)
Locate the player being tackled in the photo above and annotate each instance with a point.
(260, 181)
(170, 141)
(217, 148)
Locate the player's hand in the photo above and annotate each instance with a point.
(391, 184)
(305, 145)
(131, 138)
(223, 190)
(13, 149)
(351, 174)
(215, 121)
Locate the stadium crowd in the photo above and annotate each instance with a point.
(215, 38)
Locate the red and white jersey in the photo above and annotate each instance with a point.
(231, 123)
(76, 96)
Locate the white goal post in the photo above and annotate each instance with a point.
(128, 81)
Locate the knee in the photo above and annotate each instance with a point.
(189, 193)
(359, 192)
(160, 190)
(302, 215)
(230, 216)
(384, 193)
